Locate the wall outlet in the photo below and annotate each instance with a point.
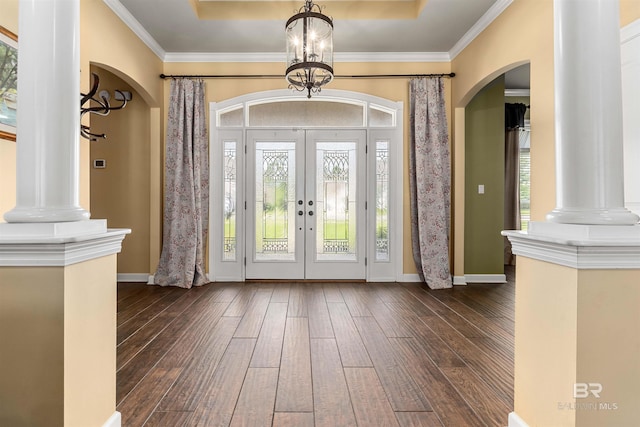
(99, 163)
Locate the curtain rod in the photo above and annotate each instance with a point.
(279, 76)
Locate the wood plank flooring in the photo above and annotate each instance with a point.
(315, 354)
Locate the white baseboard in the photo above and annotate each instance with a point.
(516, 421)
(485, 278)
(409, 278)
(459, 280)
(114, 420)
(133, 277)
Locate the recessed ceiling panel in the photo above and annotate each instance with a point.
(176, 27)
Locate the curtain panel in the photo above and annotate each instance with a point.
(430, 181)
(513, 120)
(186, 195)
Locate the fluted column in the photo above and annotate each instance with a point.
(48, 121)
(588, 104)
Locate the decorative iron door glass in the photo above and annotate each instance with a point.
(306, 203)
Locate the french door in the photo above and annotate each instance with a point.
(305, 214)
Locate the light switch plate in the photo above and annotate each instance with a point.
(481, 189)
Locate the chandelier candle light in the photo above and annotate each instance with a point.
(309, 49)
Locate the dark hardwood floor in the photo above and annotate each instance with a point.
(315, 354)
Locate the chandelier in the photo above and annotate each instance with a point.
(309, 49)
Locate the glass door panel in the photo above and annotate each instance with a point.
(275, 221)
(336, 197)
(275, 201)
(336, 201)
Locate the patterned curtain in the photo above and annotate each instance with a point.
(430, 182)
(186, 195)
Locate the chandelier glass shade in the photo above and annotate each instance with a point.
(309, 36)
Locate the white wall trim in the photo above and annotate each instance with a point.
(135, 26)
(114, 420)
(134, 277)
(486, 20)
(459, 280)
(59, 252)
(588, 253)
(630, 32)
(224, 57)
(281, 57)
(391, 57)
(485, 278)
(516, 421)
(409, 278)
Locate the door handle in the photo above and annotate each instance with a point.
(310, 202)
(300, 202)
(300, 213)
(310, 213)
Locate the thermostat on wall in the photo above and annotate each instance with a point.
(99, 163)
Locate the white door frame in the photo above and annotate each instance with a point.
(223, 267)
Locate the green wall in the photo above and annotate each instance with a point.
(484, 164)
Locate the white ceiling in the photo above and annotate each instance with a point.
(440, 31)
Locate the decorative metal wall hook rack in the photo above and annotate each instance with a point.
(103, 108)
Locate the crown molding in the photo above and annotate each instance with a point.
(486, 20)
(281, 57)
(148, 40)
(391, 57)
(224, 57)
(136, 27)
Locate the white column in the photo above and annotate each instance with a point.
(588, 104)
(48, 113)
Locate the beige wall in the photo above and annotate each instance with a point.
(529, 23)
(58, 330)
(393, 89)
(120, 193)
(522, 33)
(570, 328)
(629, 11)
(32, 331)
(89, 342)
(545, 342)
(108, 42)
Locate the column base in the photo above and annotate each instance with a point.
(577, 293)
(619, 216)
(58, 299)
(51, 230)
(30, 215)
(579, 246)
